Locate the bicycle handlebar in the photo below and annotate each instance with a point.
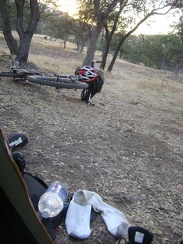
(95, 61)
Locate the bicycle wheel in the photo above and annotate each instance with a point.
(57, 82)
(10, 74)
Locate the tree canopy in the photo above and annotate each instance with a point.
(24, 16)
(115, 20)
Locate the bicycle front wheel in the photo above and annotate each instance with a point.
(10, 74)
(57, 82)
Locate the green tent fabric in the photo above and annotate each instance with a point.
(18, 220)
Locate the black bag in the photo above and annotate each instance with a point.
(93, 88)
(36, 188)
(100, 80)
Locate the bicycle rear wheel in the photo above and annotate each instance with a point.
(57, 82)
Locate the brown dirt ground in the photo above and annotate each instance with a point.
(128, 148)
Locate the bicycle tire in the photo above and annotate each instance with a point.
(57, 82)
(10, 74)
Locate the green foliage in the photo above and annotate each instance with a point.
(12, 11)
(86, 12)
(60, 26)
(157, 51)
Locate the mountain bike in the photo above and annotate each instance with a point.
(59, 81)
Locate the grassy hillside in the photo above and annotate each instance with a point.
(128, 148)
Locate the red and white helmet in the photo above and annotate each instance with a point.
(86, 73)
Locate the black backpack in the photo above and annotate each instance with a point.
(100, 80)
(36, 188)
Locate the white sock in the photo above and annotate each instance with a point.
(114, 219)
(78, 217)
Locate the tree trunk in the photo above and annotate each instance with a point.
(105, 49)
(24, 47)
(120, 54)
(114, 56)
(80, 45)
(65, 44)
(109, 35)
(92, 45)
(26, 36)
(11, 42)
(105, 54)
(65, 38)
